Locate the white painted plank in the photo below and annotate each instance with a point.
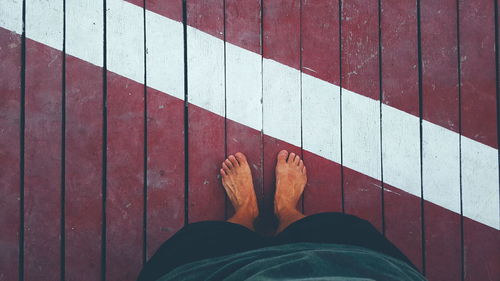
(165, 55)
(205, 71)
(321, 117)
(480, 183)
(401, 149)
(44, 22)
(361, 133)
(440, 166)
(281, 102)
(125, 39)
(244, 86)
(84, 30)
(11, 15)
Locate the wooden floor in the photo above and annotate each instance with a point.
(115, 117)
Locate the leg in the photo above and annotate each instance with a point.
(290, 182)
(199, 241)
(237, 181)
(214, 238)
(338, 228)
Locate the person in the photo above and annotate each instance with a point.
(326, 246)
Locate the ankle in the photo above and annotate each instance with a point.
(248, 210)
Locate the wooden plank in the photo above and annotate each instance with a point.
(165, 124)
(125, 141)
(360, 116)
(440, 147)
(84, 137)
(400, 139)
(281, 88)
(206, 133)
(42, 174)
(321, 105)
(244, 86)
(480, 202)
(10, 112)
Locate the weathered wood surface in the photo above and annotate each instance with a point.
(393, 108)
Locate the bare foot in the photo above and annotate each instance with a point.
(237, 181)
(291, 179)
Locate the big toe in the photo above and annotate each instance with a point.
(242, 159)
(282, 155)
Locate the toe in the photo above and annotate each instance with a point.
(304, 171)
(233, 160)
(223, 173)
(228, 163)
(242, 159)
(291, 157)
(225, 168)
(296, 160)
(282, 156)
(301, 164)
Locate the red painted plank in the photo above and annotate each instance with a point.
(171, 9)
(207, 16)
(481, 251)
(206, 153)
(363, 197)
(165, 153)
(83, 198)
(248, 141)
(10, 98)
(440, 106)
(281, 23)
(360, 67)
(206, 133)
(125, 178)
(243, 25)
(165, 174)
(400, 90)
(479, 122)
(442, 243)
(320, 40)
(439, 62)
(403, 225)
(323, 192)
(360, 73)
(399, 55)
(477, 67)
(42, 187)
(139, 3)
(320, 58)
(271, 148)
(281, 31)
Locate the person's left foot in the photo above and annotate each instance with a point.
(237, 181)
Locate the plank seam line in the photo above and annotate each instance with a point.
(262, 100)
(300, 90)
(420, 111)
(226, 205)
(21, 146)
(104, 143)
(186, 116)
(340, 98)
(145, 140)
(459, 79)
(63, 151)
(497, 72)
(380, 113)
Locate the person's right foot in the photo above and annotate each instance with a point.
(291, 179)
